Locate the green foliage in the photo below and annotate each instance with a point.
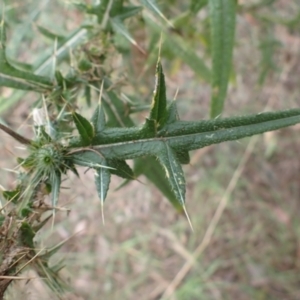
(159, 102)
(15, 78)
(109, 148)
(222, 16)
(84, 128)
(27, 235)
(159, 145)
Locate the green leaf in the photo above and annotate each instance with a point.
(121, 29)
(102, 180)
(222, 18)
(129, 11)
(152, 6)
(26, 211)
(87, 95)
(159, 101)
(27, 235)
(21, 65)
(12, 195)
(120, 168)
(172, 113)
(188, 127)
(84, 127)
(187, 140)
(115, 108)
(55, 181)
(149, 128)
(173, 171)
(116, 8)
(151, 168)
(183, 157)
(98, 118)
(44, 64)
(19, 79)
(15, 78)
(109, 135)
(89, 158)
(49, 34)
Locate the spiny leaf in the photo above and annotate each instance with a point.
(88, 158)
(84, 128)
(129, 149)
(222, 18)
(152, 6)
(159, 101)
(174, 174)
(173, 171)
(121, 29)
(120, 168)
(44, 65)
(109, 135)
(188, 127)
(172, 113)
(98, 118)
(154, 172)
(183, 157)
(149, 128)
(129, 11)
(55, 181)
(102, 180)
(183, 129)
(19, 79)
(15, 78)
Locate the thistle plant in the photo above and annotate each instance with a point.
(104, 141)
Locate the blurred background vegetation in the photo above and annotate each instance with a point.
(243, 198)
